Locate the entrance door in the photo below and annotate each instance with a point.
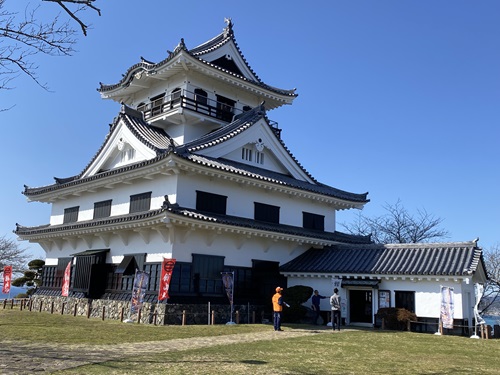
(360, 306)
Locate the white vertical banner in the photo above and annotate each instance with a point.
(336, 282)
(478, 292)
(447, 307)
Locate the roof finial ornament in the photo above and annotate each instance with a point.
(229, 28)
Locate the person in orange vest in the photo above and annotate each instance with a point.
(278, 308)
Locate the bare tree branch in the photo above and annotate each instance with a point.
(24, 35)
(11, 254)
(397, 225)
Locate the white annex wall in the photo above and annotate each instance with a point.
(427, 294)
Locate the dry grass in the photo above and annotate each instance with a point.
(248, 349)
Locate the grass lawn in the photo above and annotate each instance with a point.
(348, 352)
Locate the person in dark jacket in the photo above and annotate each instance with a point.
(316, 298)
(278, 308)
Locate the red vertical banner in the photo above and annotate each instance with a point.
(167, 267)
(66, 280)
(7, 279)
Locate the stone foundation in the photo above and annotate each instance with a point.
(151, 313)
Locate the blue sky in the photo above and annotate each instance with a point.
(397, 98)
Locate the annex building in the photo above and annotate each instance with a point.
(194, 169)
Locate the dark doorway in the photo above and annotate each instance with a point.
(360, 306)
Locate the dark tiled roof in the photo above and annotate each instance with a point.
(270, 227)
(162, 144)
(197, 215)
(236, 127)
(47, 228)
(153, 137)
(453, 259)
(218, 41)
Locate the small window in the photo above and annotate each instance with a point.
(266, 212)
(246, 108)
(156, 104)
(259, 157)
(71, 215)
(246, 154)
(209, 202)
(140, 202)
(176, 94)
(127, 155)
(313, 221)
(405, 300)
(102, 209)
(200, 96)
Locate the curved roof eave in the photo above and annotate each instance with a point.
(153, 68)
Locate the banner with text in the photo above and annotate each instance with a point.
(228, 282)
(167, 267)
(66, 280)
(447, 307)
(7, 279)
(141, 282)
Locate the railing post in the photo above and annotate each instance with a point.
(213, 317)
(122, 313)
(253, 317)
(41, 304)
(89, 310)
(103, 312)
(75, 309)
(183, 317)
(237, 318)
(139, 315)
(4, 303)
(52, 307)
(12, 304)
(62, 308)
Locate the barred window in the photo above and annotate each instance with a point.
(102, 209)
(140, 202)
(71, 215)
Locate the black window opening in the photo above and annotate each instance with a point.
(62, 263)
(71, 215)
(157, 104)
(140, 202)
(102, 209)
(209, 202)
(90, 272)
(313, 221)
(207, 273)
(405, 300)
(200, 97)
(266, 212)
(225, 108)
(175, 97)
(130, 263)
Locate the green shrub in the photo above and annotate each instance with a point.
(295, 296)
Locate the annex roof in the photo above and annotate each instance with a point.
(426, 259)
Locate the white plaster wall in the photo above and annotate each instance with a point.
(241, 200)
(236, 250)
(120, 196)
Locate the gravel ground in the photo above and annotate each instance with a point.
(27, 358)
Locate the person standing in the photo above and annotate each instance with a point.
(278, 308)
(316, 298)
(335, 303)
